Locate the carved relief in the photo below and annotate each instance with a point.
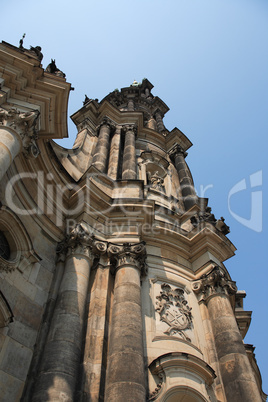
(173, 309)
(214, 282)
(156, 181)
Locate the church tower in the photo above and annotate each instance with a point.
(112, 278)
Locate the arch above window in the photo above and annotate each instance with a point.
(15, 243)
(182, 377)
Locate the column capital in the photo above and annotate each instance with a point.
(176, 150)
(130, 127)
(79, 241)
(213, 283)
(130, 254)
(108, 123)
(99, 247)
(24, 123)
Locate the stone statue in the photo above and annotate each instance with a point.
(86, 100)
(157, 182)
(37, 51)
(53, 69)
(21, 41)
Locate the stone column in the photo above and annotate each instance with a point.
(114, 154)
(177, 155)
(159, 121)
(103, 145)
(125, 372)
(60, 364)
(237, 376)
(17, 133)
(96, 339)
(151, 123)
(129, 156)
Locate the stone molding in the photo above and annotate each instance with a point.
(213, 283)
(24, 123)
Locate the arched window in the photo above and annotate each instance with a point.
(4, 247)
(16, 250)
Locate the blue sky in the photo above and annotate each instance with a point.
(208, 62)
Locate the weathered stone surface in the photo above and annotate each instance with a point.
(127, 392)
(16, 359)
(10, 387)
(22, 333)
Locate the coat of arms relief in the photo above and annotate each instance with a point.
(173, 310)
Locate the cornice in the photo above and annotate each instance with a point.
(26, 86)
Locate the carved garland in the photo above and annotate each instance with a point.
(174, 310)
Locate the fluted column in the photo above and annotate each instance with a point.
(125, 372)
(114, 154)
(17, 133)
(159, 121)
(177, 155)
(61, 358)
(103, 145)
(238, 379)
(129, 156)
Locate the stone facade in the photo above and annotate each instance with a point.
(113, 285)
